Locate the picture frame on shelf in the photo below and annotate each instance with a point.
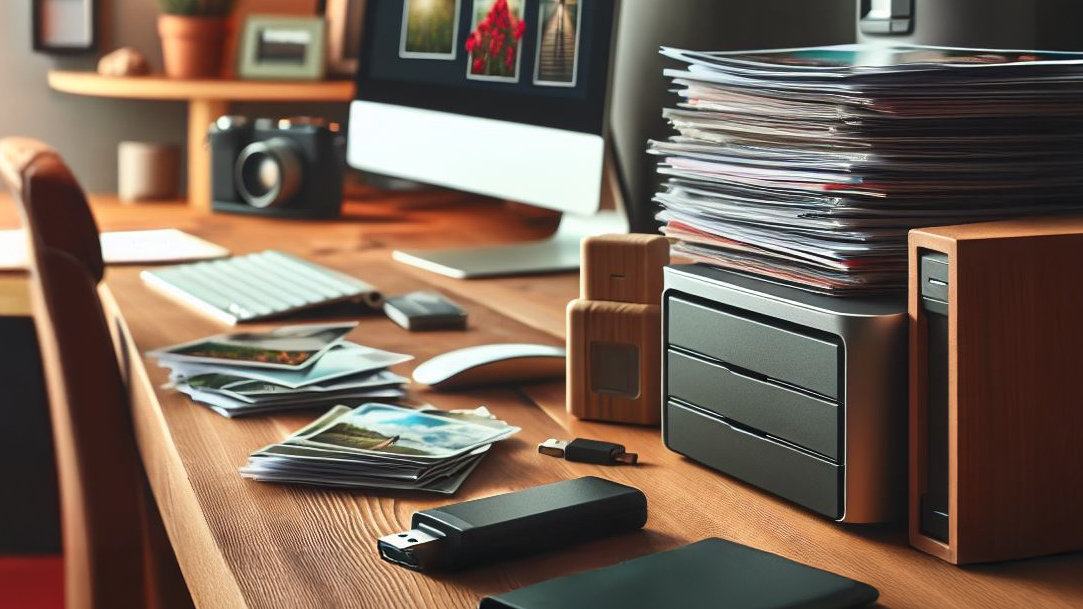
(281, 47)
(64, 26)
(344, 20)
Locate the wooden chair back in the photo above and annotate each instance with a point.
(101, 481)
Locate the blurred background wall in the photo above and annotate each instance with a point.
(86, 130)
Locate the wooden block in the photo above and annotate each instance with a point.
(1015, 400)
(624, 268)
(614, 366)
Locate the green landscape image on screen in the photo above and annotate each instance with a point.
(428, 29)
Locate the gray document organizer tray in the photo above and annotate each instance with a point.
(799, 394)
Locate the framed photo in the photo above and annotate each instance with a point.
(556, 63)
(344, 20)
(429, 29)
(496, 40)
(281, 47)
(64, 26)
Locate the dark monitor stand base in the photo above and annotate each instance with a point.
(558, 253)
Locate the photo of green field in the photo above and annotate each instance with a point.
(240, 353)
(346, 435)
(429, 28)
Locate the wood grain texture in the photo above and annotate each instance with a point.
(1015, 459)
(624, 268)
(618, 317)
(201, 113)
(598, 332)
(14, 296)
(244, 544)
(162, 88)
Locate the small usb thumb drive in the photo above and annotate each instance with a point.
(525, 522)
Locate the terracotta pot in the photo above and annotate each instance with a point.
(192, 46)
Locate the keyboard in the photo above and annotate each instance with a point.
(258, 286)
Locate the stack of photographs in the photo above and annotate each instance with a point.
(378, 446)
(292, 367)
(809, 166)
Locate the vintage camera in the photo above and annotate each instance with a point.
(292, 167)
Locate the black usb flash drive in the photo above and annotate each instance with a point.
(530, 521)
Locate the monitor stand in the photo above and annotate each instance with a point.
(558, 253)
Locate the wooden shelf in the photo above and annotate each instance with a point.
(207, 100)
(162, 88)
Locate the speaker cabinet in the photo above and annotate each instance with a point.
(996, 393)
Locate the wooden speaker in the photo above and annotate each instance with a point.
(996, 394)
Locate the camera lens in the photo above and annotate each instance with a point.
(268, 173)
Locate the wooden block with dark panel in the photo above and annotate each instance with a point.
(614, 330)
(996, 402)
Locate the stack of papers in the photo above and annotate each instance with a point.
(809, 166)
(292, 367)
(384, 447)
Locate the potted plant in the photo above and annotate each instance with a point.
(193, 35)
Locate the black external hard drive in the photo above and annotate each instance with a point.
(525, 522)
(709, 574)
(419, 311)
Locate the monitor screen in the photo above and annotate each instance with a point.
(538, 62)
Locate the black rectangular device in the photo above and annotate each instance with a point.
(421, 311)
(708, 573)
(514, 524)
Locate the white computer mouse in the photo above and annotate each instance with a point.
(501, 364)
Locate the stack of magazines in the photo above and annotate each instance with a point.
(382, 446)
(809, 166)
(292, 367)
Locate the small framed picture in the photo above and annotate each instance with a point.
(282, 47)
(430, 29)
(495, 40)
(64, 26)
(556, 62)
(344, 19)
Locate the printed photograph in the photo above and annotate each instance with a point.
(344, 360)
(557, 61)
(429, 29)
(495, 41)
(288, 347)
(402, 431)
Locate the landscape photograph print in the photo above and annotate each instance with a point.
(557, 61)
(429, 29)
(495, 41)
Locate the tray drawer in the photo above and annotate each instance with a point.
(772, 466)
(773, 351)
(807, 421)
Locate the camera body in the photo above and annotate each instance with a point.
(289, 168)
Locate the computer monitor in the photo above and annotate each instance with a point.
(506, 98)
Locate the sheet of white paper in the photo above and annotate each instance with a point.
(124, 247)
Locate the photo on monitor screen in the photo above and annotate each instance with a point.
(429, 29)
(557, 57)
(495, 40)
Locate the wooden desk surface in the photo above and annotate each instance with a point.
(246, 544)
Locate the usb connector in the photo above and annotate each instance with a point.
(414, 549)
(588, 451)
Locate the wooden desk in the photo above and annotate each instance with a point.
(244, 544)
